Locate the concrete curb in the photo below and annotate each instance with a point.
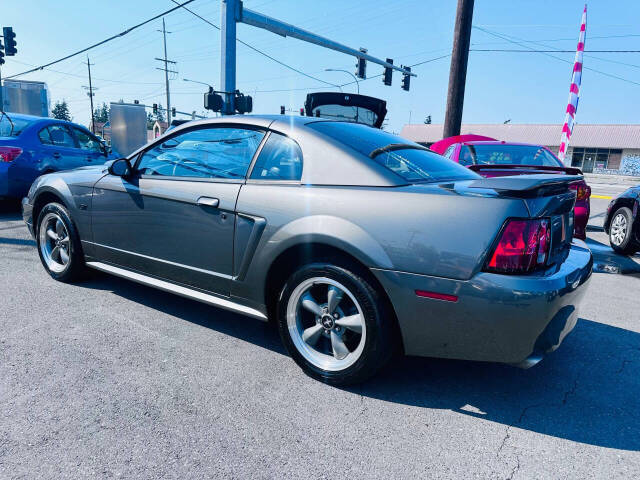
(612, 179)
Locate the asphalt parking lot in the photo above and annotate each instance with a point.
(112, 379)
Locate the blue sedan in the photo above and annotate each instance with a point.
(32, 146)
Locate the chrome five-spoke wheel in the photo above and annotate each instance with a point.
(326, 323)
(54, 243)
(618, 229)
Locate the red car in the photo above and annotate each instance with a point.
(493, 158)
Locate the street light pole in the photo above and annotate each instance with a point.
(345, 71)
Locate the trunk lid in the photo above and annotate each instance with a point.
(545, 196)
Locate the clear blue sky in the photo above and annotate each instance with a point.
(523, 87)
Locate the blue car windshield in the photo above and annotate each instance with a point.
(12, 127)
(412, 163)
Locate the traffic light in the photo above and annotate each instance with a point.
(155, 109)
(388, 72)
(173, 112)
(281, 109)
(406, 78)
(1, 53)
(213, 101)
(361, 66)
(9, 41)
(244, 103)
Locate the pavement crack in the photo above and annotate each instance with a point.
(515, 468)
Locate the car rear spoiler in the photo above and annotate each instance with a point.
(547, 168)
(528, 186)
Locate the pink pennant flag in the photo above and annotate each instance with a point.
(574, 90)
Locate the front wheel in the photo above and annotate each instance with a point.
(59, 243)
(621, 231)
(334, 324)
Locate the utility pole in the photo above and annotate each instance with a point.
(458, 71)
(166, 70)
(90, 93)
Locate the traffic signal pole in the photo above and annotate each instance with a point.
(229, 13)
(458, 70)
(232, 12)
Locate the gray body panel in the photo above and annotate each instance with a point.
(433, 237)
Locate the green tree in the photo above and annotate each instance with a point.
(101, 114)
(160, 114)
(61, 111)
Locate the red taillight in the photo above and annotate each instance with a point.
(9, 154)
(522, 247)
(583, 191)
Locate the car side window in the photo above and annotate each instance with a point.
(224, 152)
(465, 157)
(86, 141)
(44, 136)
(61, 136)
(448, 153)
(279, 159)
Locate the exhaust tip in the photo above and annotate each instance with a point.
(529, 362)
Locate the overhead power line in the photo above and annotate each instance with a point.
(113, 37)
(256, 49)
(553, 56)
(549, 51)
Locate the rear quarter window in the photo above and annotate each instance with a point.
(413, 164)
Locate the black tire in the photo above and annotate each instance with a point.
(379, 322)
(75, 267)
(627, 245)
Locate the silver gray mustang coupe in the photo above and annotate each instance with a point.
(356, 242)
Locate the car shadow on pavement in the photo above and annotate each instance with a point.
(588, 391)
(239, 326)
(605, 260)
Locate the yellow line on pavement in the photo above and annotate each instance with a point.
(605, 197)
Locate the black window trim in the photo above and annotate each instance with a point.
(46, 127)
(271, 181)
(175, 133)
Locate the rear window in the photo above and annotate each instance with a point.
(413, 165)
(508, 155)
(12, 127)
(346, 112)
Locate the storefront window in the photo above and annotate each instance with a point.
(589, 158)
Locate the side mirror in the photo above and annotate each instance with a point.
(120, 168)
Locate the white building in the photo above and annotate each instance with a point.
(613, 149)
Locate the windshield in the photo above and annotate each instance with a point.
(12, 127)
(507, 155)
(413, 163)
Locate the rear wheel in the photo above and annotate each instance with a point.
(620, 231)
(59, 243)
(334, 324)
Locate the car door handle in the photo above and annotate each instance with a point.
(208, 202)
(56, 155)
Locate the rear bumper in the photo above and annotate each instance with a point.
(496, 318)
(27, 215)
(581, 213)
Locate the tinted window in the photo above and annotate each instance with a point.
(86, 141)
(12, 127)
(61, 137)
(465, 156)
(44, 137)
(280, 159)
(203, 153)
(449, 152)
(511, 155)
(411, 164)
